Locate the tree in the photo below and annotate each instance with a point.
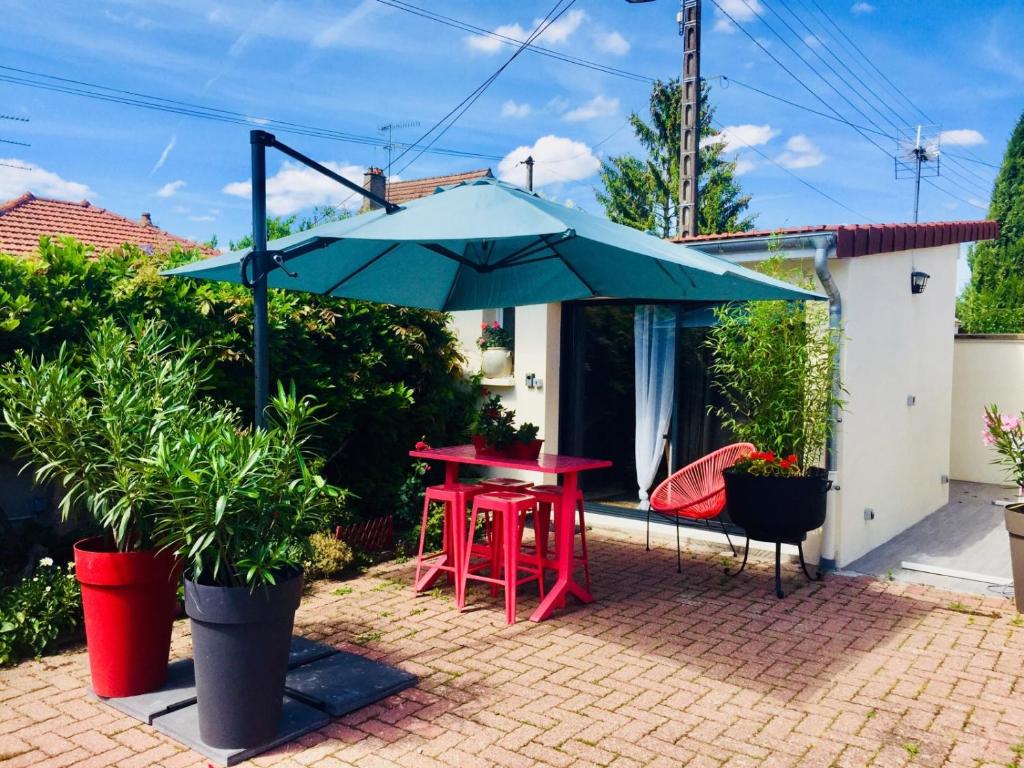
(644, 192)
(993, 301)
(282, 226)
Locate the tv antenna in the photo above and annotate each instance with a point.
(389, 128)
(917, 156)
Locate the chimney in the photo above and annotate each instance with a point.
(374, 181)
(145, 220)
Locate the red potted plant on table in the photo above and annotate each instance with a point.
(93, 422)
(494, 433)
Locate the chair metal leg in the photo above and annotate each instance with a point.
(778, 570)
(746, 551)
(803, 565)
(727, 537)
(648, 528)
(679, 557)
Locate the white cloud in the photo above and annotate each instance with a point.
(514, 109)
(558, 32)
(978, 203)
(165, 154)
(743, 166)
(599, 106)
(611, 42)
(297, 188)
(170, 189)
(962, 137)
(860, 8)
(739, 10)
(339, 32)
(800, 152)
(558, 159)
(812, 41)
(557, 104)
(735, 137)
(205, 217)
(16, 181)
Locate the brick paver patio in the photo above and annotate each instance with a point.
(666, 669)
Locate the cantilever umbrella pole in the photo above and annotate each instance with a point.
(261, 262)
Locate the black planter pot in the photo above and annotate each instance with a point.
(1015, 527)
(779, 509)
(240, 642)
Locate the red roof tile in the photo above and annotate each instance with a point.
(404, 191)
(24, 219)
(866, 239)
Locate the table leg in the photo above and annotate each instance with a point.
(565, 527)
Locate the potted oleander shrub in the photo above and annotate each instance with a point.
(772, 364)
(495, 344)
(92, 421)
(243, 505)
(1005, 434)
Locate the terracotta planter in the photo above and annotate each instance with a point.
(1014, 515)
(496, 363)
(129, 600)
(780, 509)
(240, 642)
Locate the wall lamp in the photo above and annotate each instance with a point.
(918, 280)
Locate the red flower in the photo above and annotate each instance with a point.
(791, 458)
(769, 456)
(422, 446)
(785, 464)
(483, 326)
(495, 324)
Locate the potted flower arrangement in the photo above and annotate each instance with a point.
(494, 433)
(243, 504)
(496, 350)
(93, 422)
(1005, 434)
(773, 366)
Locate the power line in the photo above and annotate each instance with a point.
(13, 117)
(971, 159)
(19, 167)
(19, 143)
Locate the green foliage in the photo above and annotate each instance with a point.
(493, 336)
(643, 193)
(494, 423)
(1005, 434)
(527, 432)
(772, 363)
(93, 424)
(992, 302)
(387, 374)
(39, 613)
(330, 556)
(242, 503)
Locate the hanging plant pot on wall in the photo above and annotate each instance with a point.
(496, 363)
(780, 509)
(129, 600)
(240, 641)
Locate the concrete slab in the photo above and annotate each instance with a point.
(179, 691)
(182, 725)
(344, 682)
(303, 651)
(967, 534)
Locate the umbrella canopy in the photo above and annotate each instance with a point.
(486, 243)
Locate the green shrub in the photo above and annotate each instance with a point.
(330, 556)
(389, 375)
(39, 613)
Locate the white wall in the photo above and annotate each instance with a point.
(986, 370)
(537, 351)
(892, 455)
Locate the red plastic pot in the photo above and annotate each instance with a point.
(528, 451)
(129, 600)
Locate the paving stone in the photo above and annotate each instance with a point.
(344, 682)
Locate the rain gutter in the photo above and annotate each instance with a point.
(823, 245)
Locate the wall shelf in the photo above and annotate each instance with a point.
(504, 381)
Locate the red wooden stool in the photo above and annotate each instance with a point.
(548, 497)
(454, 497)
(505, 484)
(504, 560)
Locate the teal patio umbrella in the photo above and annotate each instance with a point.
(474, 245)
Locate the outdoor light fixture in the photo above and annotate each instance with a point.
(918, 280)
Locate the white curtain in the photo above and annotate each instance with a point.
(654, 330)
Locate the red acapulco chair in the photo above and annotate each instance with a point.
(696, 492)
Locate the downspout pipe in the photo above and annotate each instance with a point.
(824, 248)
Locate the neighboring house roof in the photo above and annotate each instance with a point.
(866, 239)
(404, 191)
(26, 218)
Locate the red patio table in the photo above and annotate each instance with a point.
(569, 468)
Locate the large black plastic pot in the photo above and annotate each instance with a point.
(1015, 527)
(240, 642)
(779, 509)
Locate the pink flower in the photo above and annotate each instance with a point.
(1010, 423)
(987, 438)
(495, 324)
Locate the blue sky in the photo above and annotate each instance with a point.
(354, 65)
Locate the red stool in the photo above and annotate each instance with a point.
(454, 497)
(503, 560)
(505, 484)
(546, 498)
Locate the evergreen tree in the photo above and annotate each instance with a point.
(993, 302)
(644, 192)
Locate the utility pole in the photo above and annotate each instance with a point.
(528, 162)
(689, 140)
(917, 156)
